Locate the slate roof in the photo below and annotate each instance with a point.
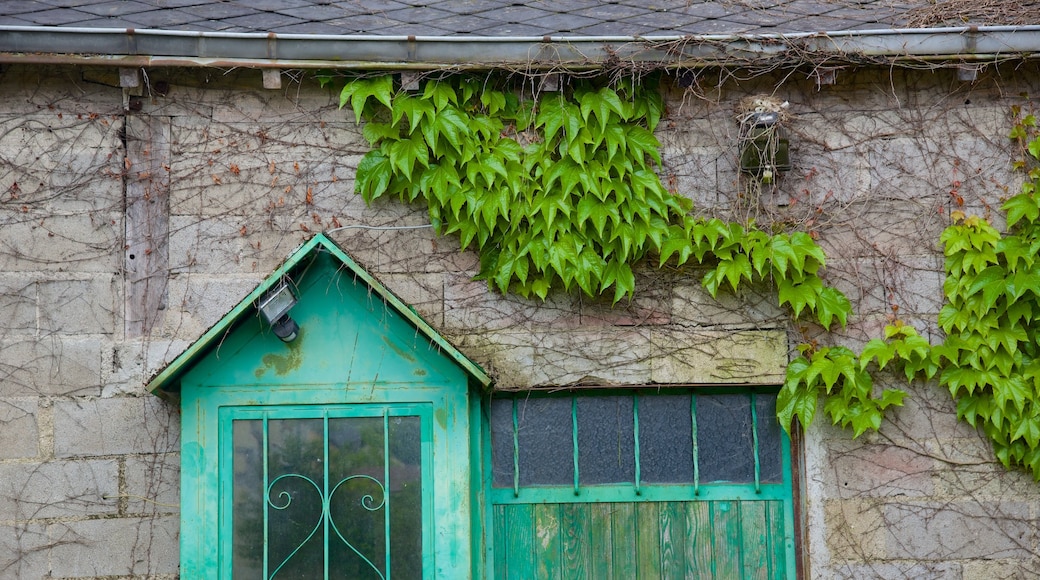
(487, 18)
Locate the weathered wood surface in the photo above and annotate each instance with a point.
(147, 181)
(724, 540)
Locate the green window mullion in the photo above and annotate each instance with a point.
(754, 441)
(267, 507)
(386, 492)
(693, 430)
(635, 436)
(574, 438)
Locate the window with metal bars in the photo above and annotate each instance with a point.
(642, 483)
(636, 440)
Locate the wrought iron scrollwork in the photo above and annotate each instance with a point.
(283, 500)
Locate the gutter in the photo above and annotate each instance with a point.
(161, 48)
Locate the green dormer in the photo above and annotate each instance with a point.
(336, 431)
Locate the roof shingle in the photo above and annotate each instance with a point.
(478, 17)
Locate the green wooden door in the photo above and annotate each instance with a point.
(340, 491)
(675, 484)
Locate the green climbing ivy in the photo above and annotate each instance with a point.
(561, 192)
(991, 355)
(990, 358)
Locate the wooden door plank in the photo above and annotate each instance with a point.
(726, 520)
(518, 543)
(623, 530)
(699, 546)
(754, 546)
(673, 540)
(547, 544)
(777, 544)
(648, 540)
(500, 531)
(601, 541)
(575, 537)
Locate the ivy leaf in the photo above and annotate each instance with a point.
(358, 91)
(376, 132)
(793, 401)
(831, 304)
(373, 175)
(441, 93)
(550, 117)
(620, 275)
(451, 124)
(799, 294)
(879, 349)
(1028, 428)
(642, 142)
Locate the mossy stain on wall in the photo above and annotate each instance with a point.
(283, 364)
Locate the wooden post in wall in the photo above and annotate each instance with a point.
(147, 183)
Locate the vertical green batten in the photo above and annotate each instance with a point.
(386, 490)
(574, 438)
(635, 437)
(267, 507)
(696, 459)
(516, 453)
(754, 440)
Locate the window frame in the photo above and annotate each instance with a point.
(229, 414)
(645, 492)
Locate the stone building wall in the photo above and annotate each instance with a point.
(88, 460)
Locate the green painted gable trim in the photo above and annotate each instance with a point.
(166, 383)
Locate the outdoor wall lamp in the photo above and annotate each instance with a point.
(274, 306)
(764, 151)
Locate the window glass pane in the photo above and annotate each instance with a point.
(502, 442)
(295, 473)
(356, 487)
(665, 439)
(546, 441)
(406, 525)
(247, 499)
(605, 440)
(770, 453)
(724, 438)
(353, 481)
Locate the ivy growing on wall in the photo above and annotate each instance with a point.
(990, 358)
(561, 191)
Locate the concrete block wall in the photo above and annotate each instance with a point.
(88, 461)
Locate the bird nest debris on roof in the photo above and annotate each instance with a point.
(974, 12)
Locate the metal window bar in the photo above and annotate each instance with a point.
(754, 441)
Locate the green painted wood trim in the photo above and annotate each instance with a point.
(627, 493)
(166, 383)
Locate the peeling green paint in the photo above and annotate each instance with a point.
(283, 364)
(400, 351)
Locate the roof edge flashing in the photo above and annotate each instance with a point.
(149, 47)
